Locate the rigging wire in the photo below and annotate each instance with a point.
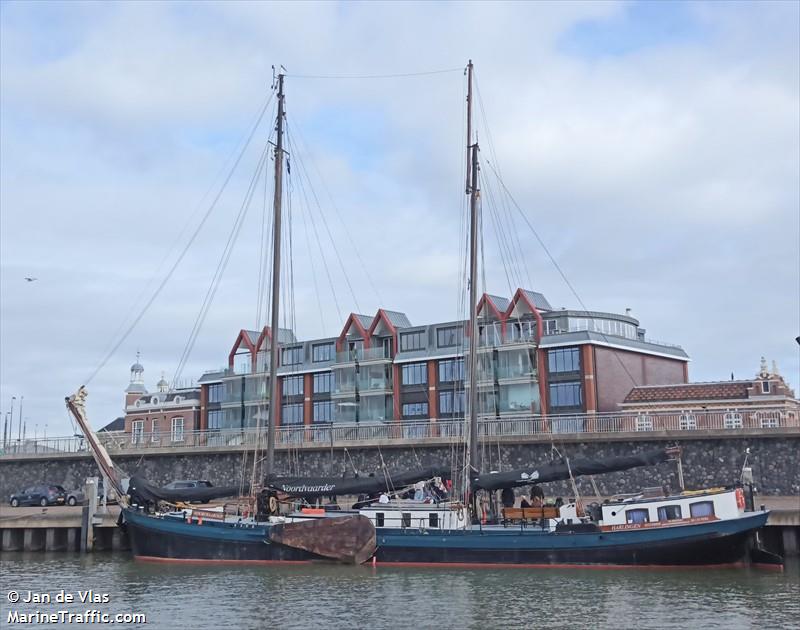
(398, 75)
(221, 265)
(185, 250)
(335, 207)
(327, 267)
(555, 263)
(304, 174)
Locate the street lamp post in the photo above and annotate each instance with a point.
(11, 427)
(19, 429)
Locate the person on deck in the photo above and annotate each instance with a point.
(507, 498)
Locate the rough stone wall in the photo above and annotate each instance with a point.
(710, 462)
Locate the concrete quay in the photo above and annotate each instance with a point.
(60, 528)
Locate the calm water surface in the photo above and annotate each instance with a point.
(317, 596)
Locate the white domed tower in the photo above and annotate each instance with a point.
(136, 387)
(162, 385)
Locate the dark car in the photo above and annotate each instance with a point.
(44, 495)
(188, 483)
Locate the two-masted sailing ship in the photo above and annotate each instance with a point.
(298, 519)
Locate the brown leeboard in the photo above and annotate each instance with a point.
(348, 539)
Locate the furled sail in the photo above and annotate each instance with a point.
(142, 492)
(329, 486)
(559, 470)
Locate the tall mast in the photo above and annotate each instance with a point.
(274, 355)
(472, 191)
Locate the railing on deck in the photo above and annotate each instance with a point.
(764, 419)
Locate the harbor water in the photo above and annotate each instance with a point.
(304, 596)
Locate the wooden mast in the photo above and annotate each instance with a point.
(472, 191)
(274, 355)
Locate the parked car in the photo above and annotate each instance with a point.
(188, 483)
(75, 497)
(184, 484)
(43, 494)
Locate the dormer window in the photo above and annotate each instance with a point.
(765, 387)
(178, 400)
(155, 400)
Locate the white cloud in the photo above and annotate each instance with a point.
(664, 179)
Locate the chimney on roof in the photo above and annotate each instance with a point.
(731, 375)
(628, 311)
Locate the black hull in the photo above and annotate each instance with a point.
(728, 550)
(151, 541)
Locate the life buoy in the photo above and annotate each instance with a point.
(740, 498)
(460, 513)
(273, 505)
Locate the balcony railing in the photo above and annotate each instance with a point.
(363, 354)
(761, 419)
(373, 383)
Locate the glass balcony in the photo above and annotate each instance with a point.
(363, 354)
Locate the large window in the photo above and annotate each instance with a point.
(669, 513)
(564, 360)
(701, 508)
(451, 370)
(137, 431)
(293, 385)
(565, 395)
(415, 374)
(451, 402)
(292, 356)
(418, 409)
(449, 336)
(637, 516)
(292, 414)
(323, 382)
(154, 437)
(177, 429)
(215, 420)
(321, 352)
(413, 341)
(323, 411)
(215, 393)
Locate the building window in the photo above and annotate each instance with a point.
(242, 363)
(669, 513)
(565, 395)
(449, 336)
(215, 393)
(292, 414)
(413, 341)
(521, 331)
(637, 516)
(419, 409)
(154, 436)
(732, 420)
(433, 520)
(321, 352)
(688, 422)
(154, 400)
(415, 374)
(405, 519)
(177, 429)
(451, 402)
(451, 370)
(292, 356)
(701, 508)
(323, 411)
(137, 431)
(564, 360)
(765, 387)
(323, 382)
(550, 326)
(644, 422)
(292, 385)
(379, 519)
(215, 420)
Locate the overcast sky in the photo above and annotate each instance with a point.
(654, 146)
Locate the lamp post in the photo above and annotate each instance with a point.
(19, 428)
(11, 427)
(5, 431)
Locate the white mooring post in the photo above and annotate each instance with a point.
(87, 520)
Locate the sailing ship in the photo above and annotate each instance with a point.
(715, 526)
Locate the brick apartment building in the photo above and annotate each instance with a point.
(381, 368)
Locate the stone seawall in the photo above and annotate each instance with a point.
(706, 462)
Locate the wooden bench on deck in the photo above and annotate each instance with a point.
(530, 513)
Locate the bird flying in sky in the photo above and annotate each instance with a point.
(30, 279)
